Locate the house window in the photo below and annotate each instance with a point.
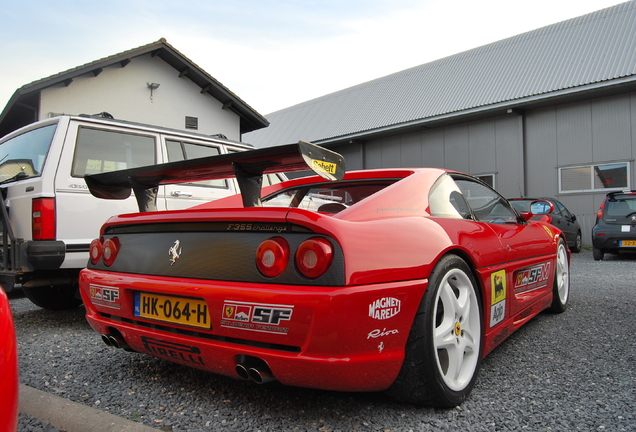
(192, 123)
(591, 178)
(489, 179)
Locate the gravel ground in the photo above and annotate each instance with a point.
(570, 372)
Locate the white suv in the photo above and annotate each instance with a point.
(49, 217)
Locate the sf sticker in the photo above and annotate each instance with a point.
(256, 317)
(532, 278)
(104, 296)
(498, 297)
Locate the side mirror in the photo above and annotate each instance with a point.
(538, 208)
(541, 207)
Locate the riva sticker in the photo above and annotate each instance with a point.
(266, 318)
(498, 297)
(385, 308)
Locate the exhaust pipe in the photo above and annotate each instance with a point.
(255, 369)
(116, 341)
(242, 371)
(261, 376)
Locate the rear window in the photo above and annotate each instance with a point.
(24, 156)
(100, 150)
(620, 205)
(326, 197)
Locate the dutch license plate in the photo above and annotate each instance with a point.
(179, 310)
(628, 243)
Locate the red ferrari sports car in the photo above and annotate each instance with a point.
(398, 279)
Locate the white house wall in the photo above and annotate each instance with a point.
(124, 93)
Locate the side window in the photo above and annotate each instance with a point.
(486, 204)
(179, 150)
(446, 200)
(101, 150)
(24, 155)
(561, 210)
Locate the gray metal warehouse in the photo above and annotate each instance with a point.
(550, 112)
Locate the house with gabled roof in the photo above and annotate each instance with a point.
(153, 84)
(550, 112)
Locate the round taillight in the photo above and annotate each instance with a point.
(95, 251)
(110, 250)
(272, 256)
(313, 257)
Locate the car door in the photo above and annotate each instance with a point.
(529, 270)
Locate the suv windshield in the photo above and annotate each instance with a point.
(23, 156)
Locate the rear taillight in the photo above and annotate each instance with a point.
(313, 257)
(95, 250)
(599, 213)
(110, 250)
(43, 219)
(272, 256)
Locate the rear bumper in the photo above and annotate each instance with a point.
(611, 240)
(30, 259)
(343, 338)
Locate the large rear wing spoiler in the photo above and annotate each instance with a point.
(248, 167)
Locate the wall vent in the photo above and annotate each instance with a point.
(192, 123)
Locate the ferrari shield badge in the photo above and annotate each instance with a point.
(175, 252)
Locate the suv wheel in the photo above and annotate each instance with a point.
(54, 297)
(598, 254)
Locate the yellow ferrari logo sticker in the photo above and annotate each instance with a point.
(229, 311)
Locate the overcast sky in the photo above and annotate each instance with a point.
(272, 54)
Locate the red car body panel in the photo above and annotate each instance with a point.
(8, 368)
(350, 336)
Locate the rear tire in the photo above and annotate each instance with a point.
(443, 351)
(598, 254)
(54, 297)
(578, 242)
(561, 287)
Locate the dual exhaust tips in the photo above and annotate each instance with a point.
(116, 340)
(254, 369)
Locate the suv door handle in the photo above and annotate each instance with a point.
(181, 194)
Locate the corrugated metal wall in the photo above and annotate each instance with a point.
(523, 151)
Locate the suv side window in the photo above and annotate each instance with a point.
(180, 150)
(100, 150)
(26, 153)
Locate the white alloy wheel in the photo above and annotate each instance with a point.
(457, 329)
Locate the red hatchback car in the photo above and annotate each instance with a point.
(399, 279)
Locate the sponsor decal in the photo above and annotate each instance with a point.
(104, 296)
(258, 317)
(379, 333)
(328, 167)
(257, 227)
(547, 230)
(175, 252)
(385, 308)
(173, 351)
(532, 278)
(498, 297)
(501, 336)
